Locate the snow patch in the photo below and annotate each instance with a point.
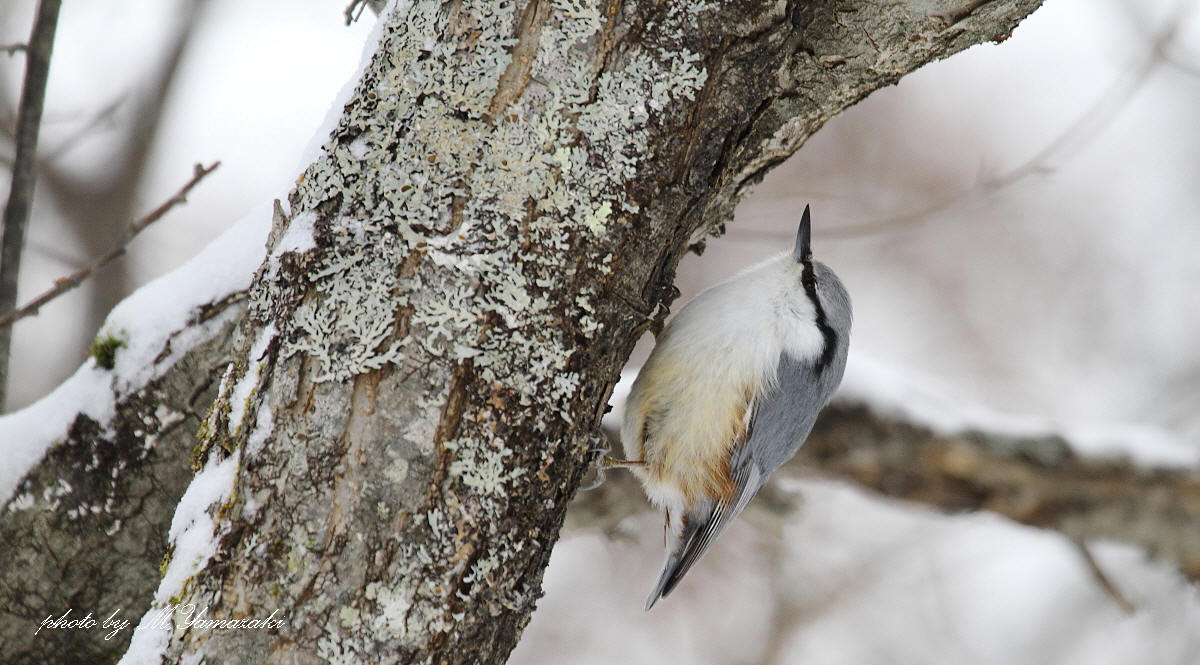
(194, 539)
(262, 429)
(299, 235)
(144, 321)
(246, 386)
(26, 434)
(192, 527)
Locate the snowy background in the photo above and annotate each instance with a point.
(1018, 227)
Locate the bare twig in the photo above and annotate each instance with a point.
(97, 207)
(64, 284)
(13, 49)
(354, 10)
(1103, 579)
(103, 117)
(1077, 134)
(20, 195)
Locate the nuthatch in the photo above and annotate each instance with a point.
(729, 393)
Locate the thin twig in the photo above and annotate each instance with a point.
(13, 49)
(1102, 578)
(97, 210)
(351, 15)
(1077, 135)
(20, 194)
(1090, 123)
(64, 284)
(105, 116)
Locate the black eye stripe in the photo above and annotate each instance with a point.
(808, 278)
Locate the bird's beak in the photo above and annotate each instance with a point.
(803, 235)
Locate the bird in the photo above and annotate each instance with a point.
(730, 392)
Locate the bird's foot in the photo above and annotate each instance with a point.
(601, 461)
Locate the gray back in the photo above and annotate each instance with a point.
(784, 416)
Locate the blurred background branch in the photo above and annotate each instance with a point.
(64, 284)
(95, 206)
(1074, 137)
(98, 206)
(20, 193)
(1035, 481)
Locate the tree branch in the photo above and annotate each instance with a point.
(20, 194)
(65, 284)
(98, 207)
(86, 528)
(421, 450)
(1038, 482)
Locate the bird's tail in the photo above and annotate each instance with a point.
(700, 528)
(683, 550)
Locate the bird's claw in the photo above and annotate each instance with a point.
(597, 480)
(598, 447)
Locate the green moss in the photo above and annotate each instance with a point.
(214, 429)
(104, 350)
(166, 561)
(227, 507)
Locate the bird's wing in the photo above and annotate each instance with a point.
(784, 415)
(701, 527)
(780, 420)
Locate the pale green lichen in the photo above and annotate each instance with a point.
(391, 609)
(349, 618)
(482, 469)
(397, 471)
(348, 330)
(425, 156)
(338, 651)
(454, 226)
(598, 219)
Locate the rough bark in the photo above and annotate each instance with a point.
(503, 203)
(87, 528)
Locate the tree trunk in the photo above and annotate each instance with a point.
(418, 382)
(86, 529)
